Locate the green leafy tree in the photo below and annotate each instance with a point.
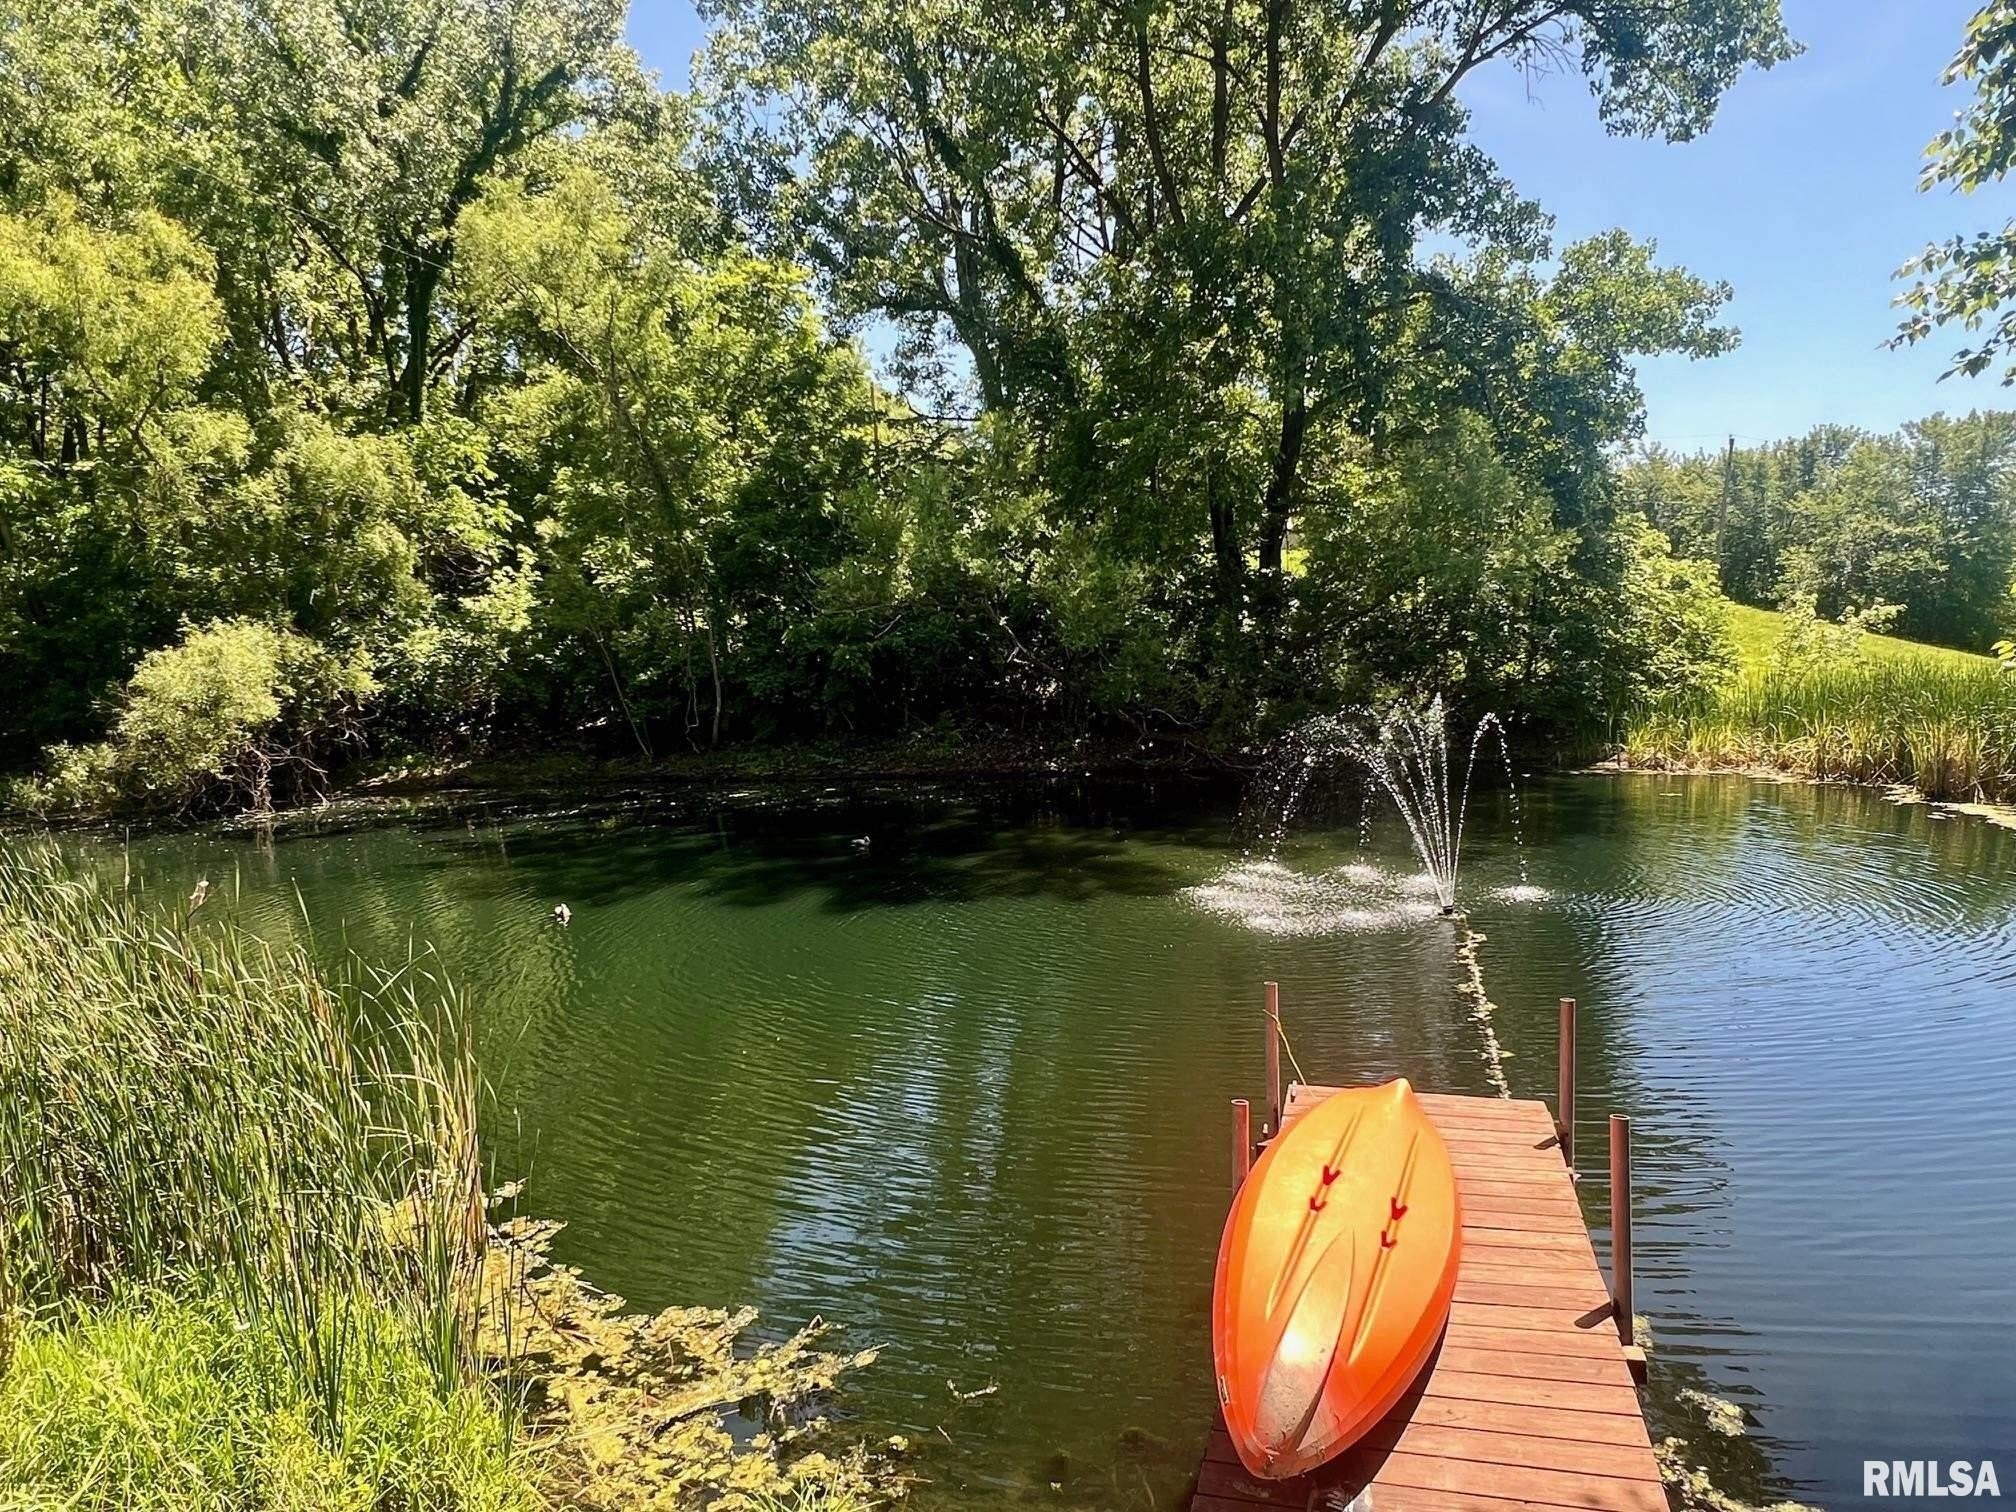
(432, 341)
(107, 325)
(707, 456)
(1923, 518)
(1182, 239)
(372, 131)
(1967, 280)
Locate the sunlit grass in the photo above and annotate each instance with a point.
(265, 1156)
(1757, 633)
(1946, 726)
(184, 1102)
(245, 1259)
(158, 1402)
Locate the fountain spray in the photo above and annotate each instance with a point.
(1405, 754)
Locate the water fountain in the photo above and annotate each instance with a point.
(1404, 754)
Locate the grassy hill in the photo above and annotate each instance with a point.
(1756, 631)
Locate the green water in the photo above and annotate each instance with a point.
(952, 1070)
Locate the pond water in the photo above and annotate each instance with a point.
(951, 1069)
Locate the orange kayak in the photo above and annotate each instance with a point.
(1334, 1277)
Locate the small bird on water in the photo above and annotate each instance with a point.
(561, 914)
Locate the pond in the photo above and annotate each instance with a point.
(951, 1069)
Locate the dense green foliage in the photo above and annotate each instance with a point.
(234, 712)
(440, 337)
(1923, 519)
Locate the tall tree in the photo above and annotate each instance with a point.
(373, 129)
(1109, 213)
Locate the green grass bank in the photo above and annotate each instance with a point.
(1869, 709)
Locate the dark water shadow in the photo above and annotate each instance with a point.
(852, 853)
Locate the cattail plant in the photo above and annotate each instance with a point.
(183, 1105)
(1948, 731)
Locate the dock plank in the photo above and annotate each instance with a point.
(1476, 1360)
(1529, 1405)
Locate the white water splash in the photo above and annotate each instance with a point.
(1272, 899)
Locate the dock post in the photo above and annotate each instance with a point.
(1564, 1115)
(1620, 1224)
(1273, 1059)
(1242, 1140)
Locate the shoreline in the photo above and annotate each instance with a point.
(574, 775)
(1903, 794)
(985, 759)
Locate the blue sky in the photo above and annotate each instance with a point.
(1803, 197)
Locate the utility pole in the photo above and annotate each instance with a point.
(1722, 512)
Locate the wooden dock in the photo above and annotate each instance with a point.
(1531, 1401)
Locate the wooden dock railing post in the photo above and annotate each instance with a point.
(1242, 1140)
(1273, 1059)
(1620, 1224)
(1564, 1114)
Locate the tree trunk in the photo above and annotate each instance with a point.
(1225, 551)
(423, 278)
(714, 671)
(1279, 506)
(616, 682)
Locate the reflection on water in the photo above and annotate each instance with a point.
(952, 1070)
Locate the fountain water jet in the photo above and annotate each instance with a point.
(1404, 754)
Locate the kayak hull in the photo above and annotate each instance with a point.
(1334, 1278)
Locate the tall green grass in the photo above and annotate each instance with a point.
(245, 1260)
(1944, 727)
(190, 1113)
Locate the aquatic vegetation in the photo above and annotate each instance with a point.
(631, 1409)
(244, 1248)
(1947, 729)
(1470, 987)
(1691, 1488)
(1721, 1414)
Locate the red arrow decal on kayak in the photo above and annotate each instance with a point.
(1330, 1174)
(1317, 1204)
(1399, 1209)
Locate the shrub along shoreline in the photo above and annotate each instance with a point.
(246, 1259)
